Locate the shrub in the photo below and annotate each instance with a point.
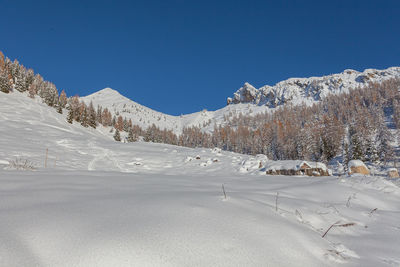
(21, 164)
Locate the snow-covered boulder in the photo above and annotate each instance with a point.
(296, 167)
(216, 150)
(187, 159)
(357, 166)
(393, 173)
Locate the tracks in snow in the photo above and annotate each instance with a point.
(103, 155)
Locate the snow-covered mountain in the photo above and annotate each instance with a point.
(143, 116)
(309, 90)
(247, 100)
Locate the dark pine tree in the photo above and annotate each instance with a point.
(92, 116)
(70, 116)
(117, 136)
(4, 83)
(131, 136)
(84, 118)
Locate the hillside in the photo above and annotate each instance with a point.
(141, 115)
(38, 127)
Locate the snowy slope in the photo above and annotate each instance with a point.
(104, 203)
(141, 115)
(247, 100)
(73, 147)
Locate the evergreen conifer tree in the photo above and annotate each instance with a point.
(117, 136)
(92, 116)
(20, 82)
(356, 148)
(29, 78)
(99, 114)
(131, 136)
(84, 117)
(4, 83)
(385, 149)
(59, 109)
(70, 116)
(372, 152)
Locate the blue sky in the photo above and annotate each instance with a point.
(183, 56)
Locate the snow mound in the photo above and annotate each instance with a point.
(4, 162)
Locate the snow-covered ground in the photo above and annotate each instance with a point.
(104, 203)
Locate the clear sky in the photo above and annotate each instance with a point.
(183, 56)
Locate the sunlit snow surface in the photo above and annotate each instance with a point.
(103, 203)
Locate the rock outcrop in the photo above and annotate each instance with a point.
(309, 90)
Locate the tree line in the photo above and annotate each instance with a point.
(354, 125)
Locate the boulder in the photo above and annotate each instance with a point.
(393, 173)
(357, 166)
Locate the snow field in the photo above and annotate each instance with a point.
(83, 218)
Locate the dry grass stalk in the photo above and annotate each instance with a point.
(348, 202)
(223, 190)
(47, 154)
(337, 224)
(372, 211)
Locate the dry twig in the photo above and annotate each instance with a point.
(372, 211)
(223, 190)
(276, 201)
(337, 224)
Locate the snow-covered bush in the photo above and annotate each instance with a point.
(21, 164)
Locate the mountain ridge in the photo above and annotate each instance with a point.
(309, 89)
(246, 100)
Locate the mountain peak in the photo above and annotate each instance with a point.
(106, 94)
(107, 91)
